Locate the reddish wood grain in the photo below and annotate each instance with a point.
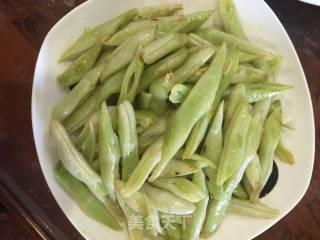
(23, 26)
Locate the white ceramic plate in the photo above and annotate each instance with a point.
(262, 27)
(313, 2)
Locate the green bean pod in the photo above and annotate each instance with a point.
(256, 210)
(75, 163)
(109, 152)
(85, 199)
(177, 168)
(139, 175)
(158, 11)
(269, 141)
(196, 136)
(253, 172)
(135, 232)
(88, 147)
(124, 53)
(174, 231)
(79, 116)
(193, 108)
(180, 187)
(284, 155)
(167, 64)
(96, 35)
(217, 37)
(193, 229)
(234, 146)
(143, 100)
(145, 119)
(179, 92)
(94, 119)
(230, 18)
(217, 207)
(128, 139)
(212, 150)
(69, 103)
(184, 24)
(249, 74)
(128, 31)
(167, 202)
(152, 220)
(161, 47)
(240, 192)
(236, 97)
(79, 67)
(259, 91)
(131, 79)
(153, 132)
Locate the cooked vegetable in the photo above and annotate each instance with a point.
(181, 128)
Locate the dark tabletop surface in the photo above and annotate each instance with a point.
(23, 26)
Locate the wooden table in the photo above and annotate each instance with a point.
(23, 26)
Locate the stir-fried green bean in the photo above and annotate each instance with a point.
(166, 118)
(193, 108)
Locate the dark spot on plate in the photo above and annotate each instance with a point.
(271, 181)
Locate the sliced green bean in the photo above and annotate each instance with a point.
(85, 199)
(69, 103)
(196, 20)
(179, 92)
(259, 91)
(128, 31)
(167, 202)
(139, 175)
(193, 229)
(284, 155)
(145, 119)
(158, 11)
(176, 168)
(174, 231)
(153, 132)
(168, 64)
(104, 56)
(180, 187)
(269, 141)
(143, 100)
(256, 210)
(79, 67)
(218, 37)
(217, 207)
(124, 53)
(152, 220)
(94, 119)
(75, 163)
(236, 97)
(79, 116)
(212, 150)
(193, 108)
(185, 24)
(109, 152)
(88, 147)
(233, 151)
(253, 172)
(99, 33)
(196, 136)
(128, 139)
(135, 232)
(162, 47)
(198, 74)
(131, 79)
(250, 74)
(240, 192)
(230, 18)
